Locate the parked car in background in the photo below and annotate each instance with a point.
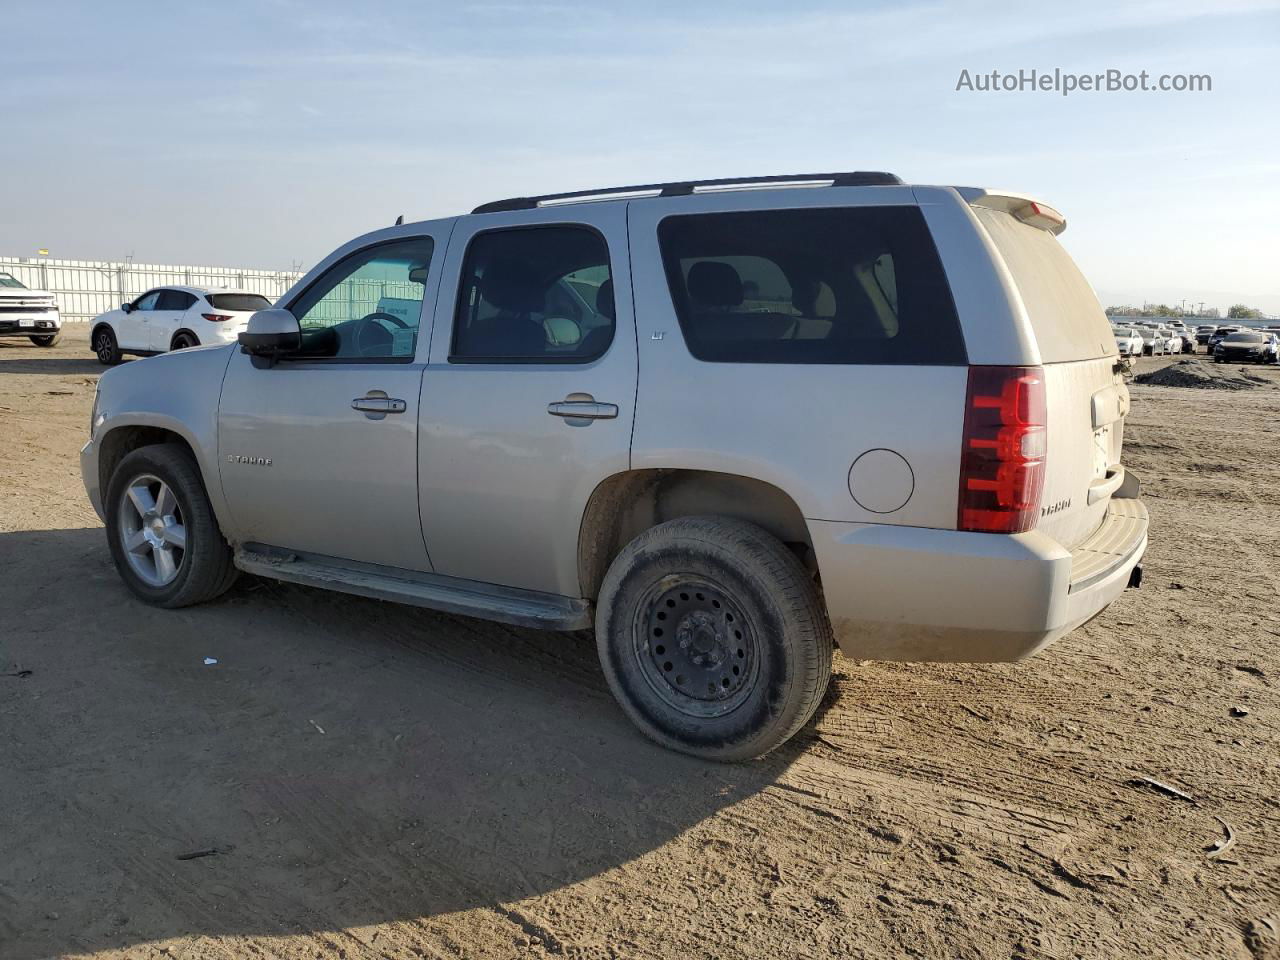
(1204, 332)
(537, 459)
(1128, 342)
(173, 318)
(1217, 336)
(1187, 337)
(1248, 346)
(1154, 341)
(28, 313)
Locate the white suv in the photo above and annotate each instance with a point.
(725, 427)
(173, 318)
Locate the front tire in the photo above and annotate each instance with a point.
(47, 339)
(713, 638)
(163, 536)
(106, 347)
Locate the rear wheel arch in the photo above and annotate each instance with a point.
(625, 505)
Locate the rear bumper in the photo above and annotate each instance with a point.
(911, 593)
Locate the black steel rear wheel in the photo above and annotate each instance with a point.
(713, 637)
(695, 645)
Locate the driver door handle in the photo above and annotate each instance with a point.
(583, 409)
(379, 404)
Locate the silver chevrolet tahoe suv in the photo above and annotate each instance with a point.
(728, 424)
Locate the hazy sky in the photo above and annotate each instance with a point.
(265, 134)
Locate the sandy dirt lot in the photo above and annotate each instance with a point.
(382, 781)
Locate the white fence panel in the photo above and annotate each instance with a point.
(86, 288)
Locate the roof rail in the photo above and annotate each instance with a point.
(682, 188)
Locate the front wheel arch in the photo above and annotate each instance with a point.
(119, 442)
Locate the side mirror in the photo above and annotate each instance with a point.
(271, 334)
(127, 307)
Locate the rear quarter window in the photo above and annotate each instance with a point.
(1066, 317)
(846, 285)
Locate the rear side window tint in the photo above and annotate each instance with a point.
(534, 295)
(175, 300)
(1065, 315)
(832, 285)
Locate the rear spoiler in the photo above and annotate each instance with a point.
(1027, 209)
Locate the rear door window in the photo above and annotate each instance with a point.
(837, 285)
(175, 300)
(534, 295)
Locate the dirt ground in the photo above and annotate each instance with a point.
(382, 781)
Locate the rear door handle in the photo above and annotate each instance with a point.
(583, 410)
(377, 405)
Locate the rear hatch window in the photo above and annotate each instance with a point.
(1068, 321)
(840, 285)
(238, 302)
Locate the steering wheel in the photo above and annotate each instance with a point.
(365, 344)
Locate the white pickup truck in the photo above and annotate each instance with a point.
(28, 313)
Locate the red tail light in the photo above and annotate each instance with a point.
(216, 317)
(1002, 462)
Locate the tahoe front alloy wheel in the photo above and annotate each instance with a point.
(151, 530)
(163, 536)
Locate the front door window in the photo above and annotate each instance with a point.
(368, 305)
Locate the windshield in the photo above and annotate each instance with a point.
(9, 280)
(238, 301)
(1244, 337)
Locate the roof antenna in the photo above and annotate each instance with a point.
(400, 220)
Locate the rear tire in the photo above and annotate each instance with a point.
(143, 521)
(713, 638)
(105, 346)
(47, 340)
(184, 341)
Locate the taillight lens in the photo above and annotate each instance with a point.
(1002, 463)
(216, 317)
